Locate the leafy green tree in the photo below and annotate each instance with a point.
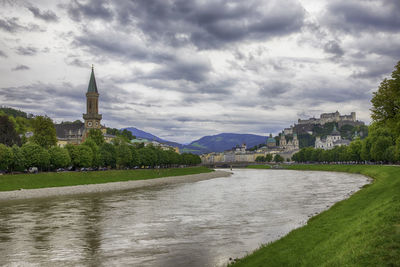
(5, 157)
(108, 155)
(379, 146)
(18, 160)
(354, 150)
(8, 134)
(260, 159)
(35, 156)
(81, 155)
(268, 157)
(97, 136)
(390, 154)
(135, 157)
(59, 157)
(124, 155)
(44, 132)
(278, 158)
(97, 159)
(127, 134)
(386, 102)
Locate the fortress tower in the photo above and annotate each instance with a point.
(92, 117)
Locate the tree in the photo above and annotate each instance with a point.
(124, 156)
(354, 150)
(97, 136)
(81, 155)
(108, 155)
(35, 156)
(59, 157)
(5, 157)
(260, 159)
(8, 134)
(268, 157)
(44, 132)
(386, 102)
(18, 160)
(97, 159)
(278, 158)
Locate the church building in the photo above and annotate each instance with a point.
(77, 131)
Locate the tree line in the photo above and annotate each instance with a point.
(41, 151)
(383, 142)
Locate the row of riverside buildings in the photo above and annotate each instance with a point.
(76, 132)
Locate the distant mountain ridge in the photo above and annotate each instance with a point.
(206, 144)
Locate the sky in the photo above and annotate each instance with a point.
(183, 69)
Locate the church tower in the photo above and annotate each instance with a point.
(92, 117)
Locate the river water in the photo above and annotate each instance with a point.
(193, 224)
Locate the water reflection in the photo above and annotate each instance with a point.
(194, 224)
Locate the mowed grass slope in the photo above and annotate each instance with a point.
(51, 179)
(363, 230)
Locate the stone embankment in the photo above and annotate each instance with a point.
(107, 187)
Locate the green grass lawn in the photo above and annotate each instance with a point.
(259, 167)
(363, 230)
(51, 179)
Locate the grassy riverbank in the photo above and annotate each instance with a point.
(363, 230)
(259, 167)
(51, 179)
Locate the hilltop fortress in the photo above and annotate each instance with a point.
(330, 117)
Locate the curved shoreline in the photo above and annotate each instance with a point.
(107, 187)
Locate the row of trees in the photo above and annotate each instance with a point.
(89, 154)
(269, 158)
(41, 150)
(383, 141)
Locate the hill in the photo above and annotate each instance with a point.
(213, 143)
(222, 142)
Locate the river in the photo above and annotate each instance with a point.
(192, 224)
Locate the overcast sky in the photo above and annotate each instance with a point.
(183, 69)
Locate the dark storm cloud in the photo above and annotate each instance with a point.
(274, 89)
(206, 24)
(332, 47)
(2, 54)
(26, 51)
(20, 67)
(47, 15)
(13, 25)
(77, 62)
(94, 9)
(355, 16)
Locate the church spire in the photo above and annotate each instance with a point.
(92, 83)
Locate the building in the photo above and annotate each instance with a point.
(76, 132)
(331, 141)
(330, 117)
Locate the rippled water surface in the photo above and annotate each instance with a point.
(193, 224)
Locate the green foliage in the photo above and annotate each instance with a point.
(97, 159)
(81, 155)
(124, 155)
(59, 157)
(306, 140)
(8, 134)
(44, 132)
(108, 155)
(5, 157)
(268, 157)
(386, 102)
(260, 159)
(97, 136)
(278, 158)
(14, 112)
(35, 156)
(18, 159)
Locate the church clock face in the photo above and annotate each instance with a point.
(89, 124)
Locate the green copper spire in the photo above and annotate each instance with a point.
(92, 84)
